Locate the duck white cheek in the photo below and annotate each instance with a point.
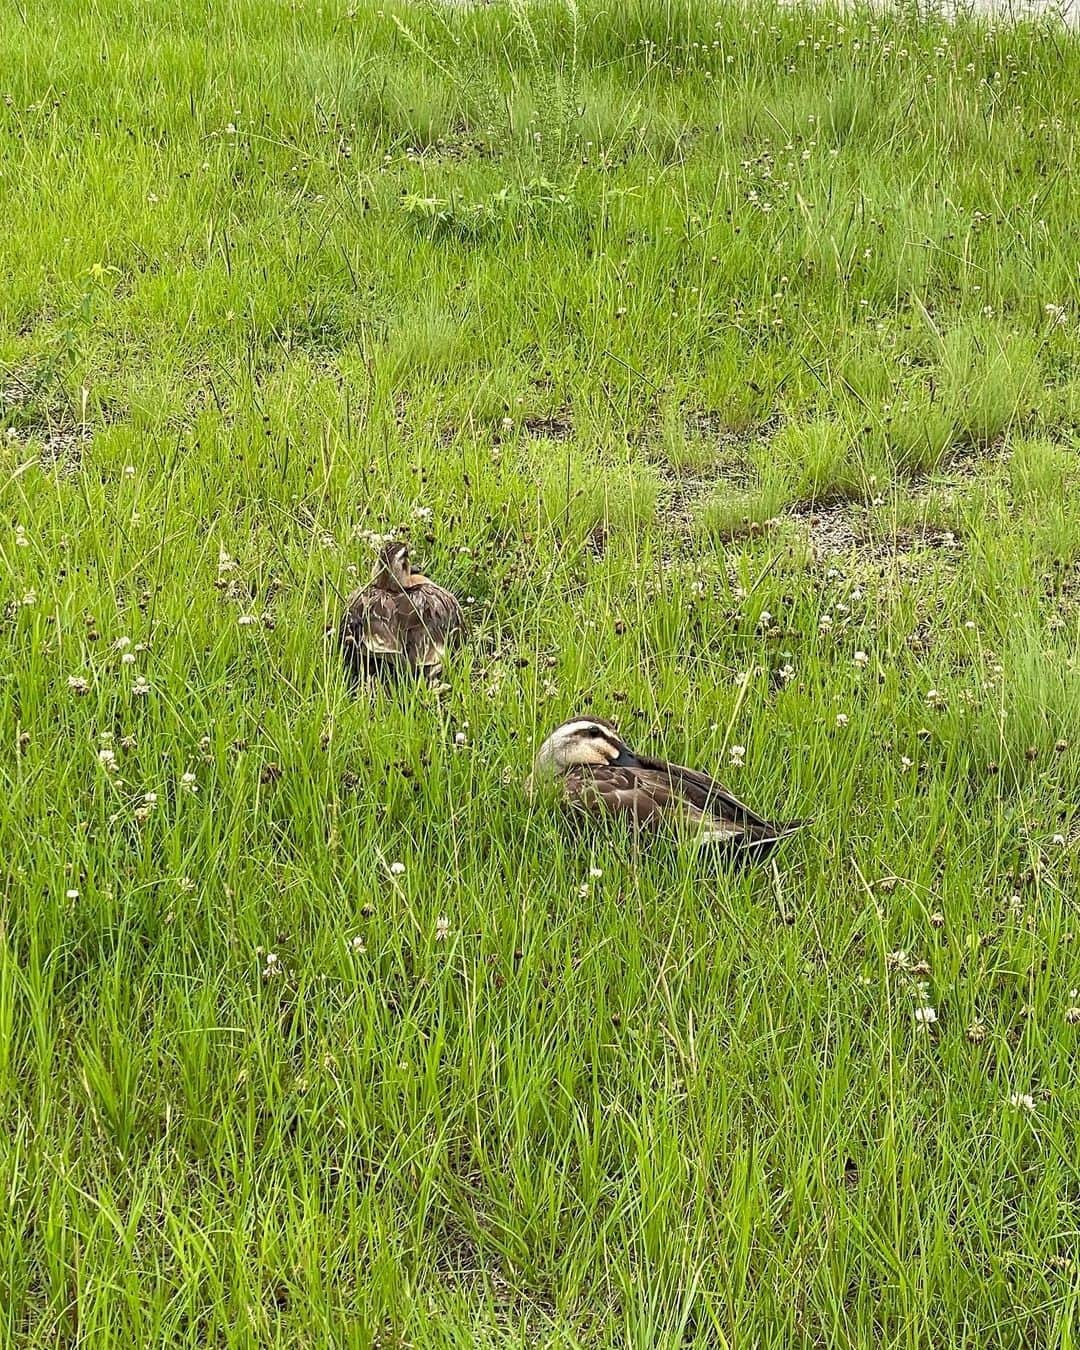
(596, 752)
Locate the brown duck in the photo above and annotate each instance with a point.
(597, 772)
(400, 621)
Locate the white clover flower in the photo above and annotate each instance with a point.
(596, 873)
(841, 719)
(737, 754)
(905, 763)
(861, 659)
(29, 598)
(358, 945)
(442, 928)
(926, 1016)
(189, 783)
(128, 659)
(422, 512)
(121, 644)
(72, 895)
(397, 869)
(786, 673)
(1058, 839)
(246, 620)
(460, 738)
(764, 619)
(1024, 1101)
(107, 759)
(141, 687)
(78, 684)
(934, 697)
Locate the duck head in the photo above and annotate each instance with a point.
(393, 570)
(581, 741)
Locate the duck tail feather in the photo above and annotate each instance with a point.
(757, 845)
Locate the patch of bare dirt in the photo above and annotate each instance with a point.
(453, 148)
(42, 422)
(925, 535)
(682, 492)
(554, 427)
(18, 390)
(723, 458)
(459, 1255)
(1061, 587)
(700, 424)
(851, 528)
(832, 530)
(596, 541)
(62, 451)
(460, 1262)
(704, 424)
(685, 486)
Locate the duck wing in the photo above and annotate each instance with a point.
(385, 629)
(709, 796)
(371, 630)
(430, 622)
(652, 791)
(644, 793)
(623, 789)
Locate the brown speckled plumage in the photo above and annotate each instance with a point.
(597, 772)
(400, 621)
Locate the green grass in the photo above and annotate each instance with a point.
(726, 361)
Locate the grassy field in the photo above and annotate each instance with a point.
(725, 362)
